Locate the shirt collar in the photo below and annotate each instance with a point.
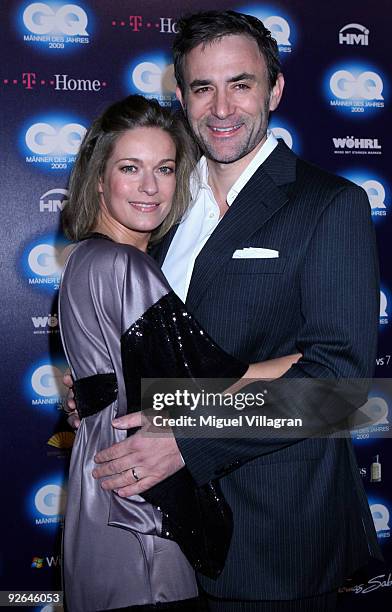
(249, 171)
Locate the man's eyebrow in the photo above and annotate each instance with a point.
(199, 83)
(244, 76)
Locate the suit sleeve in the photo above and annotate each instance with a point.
(339, 293)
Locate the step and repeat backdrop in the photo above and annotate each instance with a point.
(62, 64)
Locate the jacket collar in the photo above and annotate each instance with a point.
(258, 201)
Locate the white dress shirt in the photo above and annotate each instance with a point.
(201, 220)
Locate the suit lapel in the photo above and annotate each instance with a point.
(257, 202)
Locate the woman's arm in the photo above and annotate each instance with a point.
(265, 370)
(272, 368)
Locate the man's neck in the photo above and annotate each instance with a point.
(221, 177)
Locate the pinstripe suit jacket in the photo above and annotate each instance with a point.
(301, 518)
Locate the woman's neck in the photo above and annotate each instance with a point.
(123, 235)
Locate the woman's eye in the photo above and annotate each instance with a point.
(166, 170)
(128, 169)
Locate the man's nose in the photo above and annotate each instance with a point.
(148, 183)
(222, 104)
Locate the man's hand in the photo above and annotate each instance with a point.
(69, 403)
(138, 462)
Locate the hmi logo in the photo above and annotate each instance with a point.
(354, 34)
(53, 200)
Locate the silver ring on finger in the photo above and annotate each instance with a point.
(134, 474)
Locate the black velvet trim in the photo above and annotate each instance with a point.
(167, 342)
(94, 393)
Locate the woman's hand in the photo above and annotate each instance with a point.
(69, 403)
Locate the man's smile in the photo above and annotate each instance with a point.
(225, 131)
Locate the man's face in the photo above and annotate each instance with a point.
(227, 98)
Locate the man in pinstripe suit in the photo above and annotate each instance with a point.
(276, 256)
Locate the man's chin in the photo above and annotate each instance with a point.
(223, 157)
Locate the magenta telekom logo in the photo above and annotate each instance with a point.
(58, 82)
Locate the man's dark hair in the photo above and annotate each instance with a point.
(209, 26)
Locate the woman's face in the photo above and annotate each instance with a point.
(139, 180)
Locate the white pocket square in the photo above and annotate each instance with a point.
(255, 253)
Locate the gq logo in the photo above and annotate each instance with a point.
(43, 383)
(280, 128)
(152, 77)
(43, 262)
(366, 85)
(279, 28)
(384, 320)
(52, 143)
(356, 89)
(371, 418)
(278, 25)
(49, 18)
(46, 381)
(377, 410)
(46, 260)
(380, 514)
(50, 500)
(280, 132)
(376, 193)
(44, 139)
(54, 25)
(149, 78)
